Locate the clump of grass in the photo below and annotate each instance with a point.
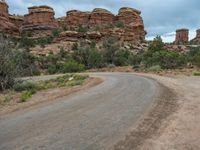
(26, 95)
(156, 68)
(196, 73)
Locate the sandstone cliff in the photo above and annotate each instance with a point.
(5, 24)
(40, 19)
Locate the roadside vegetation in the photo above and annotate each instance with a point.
(18, 61)
(24, 90)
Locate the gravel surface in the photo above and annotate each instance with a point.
(92, 119)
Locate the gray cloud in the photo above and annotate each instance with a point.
(160, 17)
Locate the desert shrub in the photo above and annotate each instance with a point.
(53, 69)
(26, 63)
(155, 68)
(95, 59)
(26, 42)
(120, 25)
(26, 95)
(25, 86)
(196, 73)
(8, 66)
(56, 32)
(158, 55)
(82, 29)
(110, 47)
(72, 66)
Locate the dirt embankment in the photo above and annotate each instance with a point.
(174, 122)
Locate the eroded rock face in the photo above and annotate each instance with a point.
(16, 20)
(5, 24)
(134, 26)
(101, 17)
(196, 40)
(39, 18)
(76, 18)
(182, 36)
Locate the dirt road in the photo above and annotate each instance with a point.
(92, 119)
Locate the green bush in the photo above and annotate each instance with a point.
(82, 29)
(26, 95)
(72, 66)
(156, 68)
(25, 86)
(120, 25)
(27, 42)
(56, 32)
(196, 73)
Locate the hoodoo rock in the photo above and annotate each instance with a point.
(5, 24)
(76, 18)
(134, 26)
(101, 17)
(182, 36)
(39, 18)
(196, 40)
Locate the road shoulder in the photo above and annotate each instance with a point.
(173, 124)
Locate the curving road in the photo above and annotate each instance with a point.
(94, 119)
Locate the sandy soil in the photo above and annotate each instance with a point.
(45, 96)
(174, 123)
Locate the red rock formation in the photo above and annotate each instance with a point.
(196, 40)
(182, 36)
(17, 20)
(101, 17)
(76, 18)
(40, 18)
(5, 24)
(70, 36)
(134, 26)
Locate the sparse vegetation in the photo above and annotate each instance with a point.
(26, 89)
(196, 73)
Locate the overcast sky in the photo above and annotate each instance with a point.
(161, 17)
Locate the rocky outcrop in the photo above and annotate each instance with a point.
(5, 24)
(182, 36)
(101, 17)
(16, 20)
(134, 26)
(95, 25)
(196, 40)
(76, 18)
(39, 18)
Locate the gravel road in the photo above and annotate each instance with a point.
(93, 119)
